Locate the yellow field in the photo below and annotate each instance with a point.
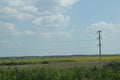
(78, 59)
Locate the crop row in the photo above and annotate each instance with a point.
(110, 71)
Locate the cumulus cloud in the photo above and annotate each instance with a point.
(58, 21)
(54, 6)
(109, 30)
(33, 8)
(40, 13)
(104, 26)
(65, 3)
(17, 9)
(7, 28)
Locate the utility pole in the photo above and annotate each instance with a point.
(100, 52)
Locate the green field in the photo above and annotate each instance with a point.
(58, 61)
(60, 68)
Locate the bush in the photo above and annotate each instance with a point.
(45, 62)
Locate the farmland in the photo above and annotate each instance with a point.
(37, 60)
(60, 68)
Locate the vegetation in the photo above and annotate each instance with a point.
(47, 60)
(109, 71)
(60, 68)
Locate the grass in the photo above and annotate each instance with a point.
(67, 62)
(67, 68)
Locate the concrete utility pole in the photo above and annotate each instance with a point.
(100, 51)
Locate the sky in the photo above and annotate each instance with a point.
(58, 27)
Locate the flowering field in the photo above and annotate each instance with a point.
(58, 59)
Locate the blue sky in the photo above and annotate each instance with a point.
(58, 27)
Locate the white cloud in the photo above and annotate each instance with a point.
(7, 28)
(52, 21)
(3, 41)
(28, 32)
(42, 13)
(66, 3)
(54, 6)
(14, 8)
(48, 34)
(54, 34)
(109, 30)
(8, 10)
(104, 26)
(24, 16)
(17, 9)
(30, 8)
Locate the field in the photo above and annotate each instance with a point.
(59, 59)
(60, 68)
